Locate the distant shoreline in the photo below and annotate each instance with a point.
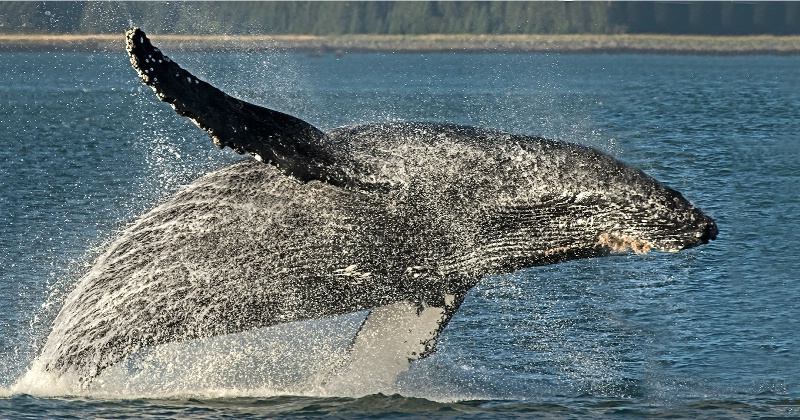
(635, 44)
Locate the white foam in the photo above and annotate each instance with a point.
(39, 382)
(288, 359)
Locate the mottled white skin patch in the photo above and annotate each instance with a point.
(617, 243)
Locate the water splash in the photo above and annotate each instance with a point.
(301, 359)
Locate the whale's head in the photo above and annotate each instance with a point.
(654, 217)
(565, 201)
(623, 208)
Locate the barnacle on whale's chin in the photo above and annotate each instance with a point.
(621, 243)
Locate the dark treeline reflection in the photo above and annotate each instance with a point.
(404, 17)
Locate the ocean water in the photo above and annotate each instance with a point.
(709, 332)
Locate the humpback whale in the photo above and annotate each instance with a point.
(398, 219)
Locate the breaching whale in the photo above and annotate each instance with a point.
(399, 219)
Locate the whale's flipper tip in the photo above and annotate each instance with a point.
(156, 69)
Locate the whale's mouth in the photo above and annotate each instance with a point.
(618, 242)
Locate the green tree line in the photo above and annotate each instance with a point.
(402, 17)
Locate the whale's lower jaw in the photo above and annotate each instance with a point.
(618, 243)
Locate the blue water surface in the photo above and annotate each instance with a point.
(712, 331)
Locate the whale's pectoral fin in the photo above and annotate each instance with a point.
(295, 146)
(390, 338)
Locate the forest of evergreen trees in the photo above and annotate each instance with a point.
(403, 17)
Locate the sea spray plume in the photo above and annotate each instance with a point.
(401, 219)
